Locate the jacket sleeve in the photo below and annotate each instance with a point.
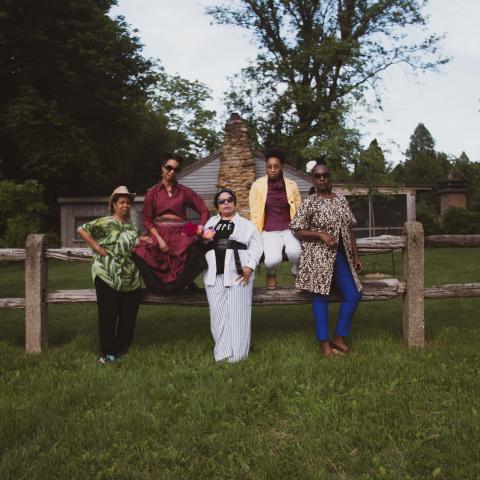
(254, 201)
(302, 218)
(255, 249)
(297, 198)
(350, 217)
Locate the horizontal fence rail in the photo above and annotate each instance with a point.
(380, 244)
(410, 288)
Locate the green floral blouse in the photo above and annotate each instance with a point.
(117, 269)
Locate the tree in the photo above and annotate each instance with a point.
(316, 58)
(372, 167)
(182, 102)
(464, 168)
(73, 85)
(21, 206)
(81, 110)
(423, 165)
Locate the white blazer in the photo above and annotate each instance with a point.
(244, 231)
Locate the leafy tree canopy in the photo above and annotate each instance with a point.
(372, 167)
(423, 165)
(316, 58)
(81, 110)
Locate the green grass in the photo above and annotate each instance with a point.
(168, 412)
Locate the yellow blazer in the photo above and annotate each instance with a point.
(258, 197)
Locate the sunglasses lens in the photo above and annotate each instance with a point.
(321, 175)
(169, 168)
(225, 200)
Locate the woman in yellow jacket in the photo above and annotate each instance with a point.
(274, 200)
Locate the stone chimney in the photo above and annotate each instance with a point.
(453, 193)
(236, 162)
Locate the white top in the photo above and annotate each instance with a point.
(244, 231)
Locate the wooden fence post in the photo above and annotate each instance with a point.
(413, 300)
(36, 280)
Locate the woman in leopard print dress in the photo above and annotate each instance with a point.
(329, 257)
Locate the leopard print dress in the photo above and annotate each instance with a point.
(315, 265)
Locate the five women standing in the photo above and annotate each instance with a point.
(171, 256)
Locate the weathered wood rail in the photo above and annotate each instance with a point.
(410, 288)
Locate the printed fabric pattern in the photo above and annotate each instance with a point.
(315, 265)
(117, 269)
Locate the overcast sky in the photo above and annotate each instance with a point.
(179, 34)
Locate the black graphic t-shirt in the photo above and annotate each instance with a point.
(223, 229)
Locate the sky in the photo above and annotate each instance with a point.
(183, 38)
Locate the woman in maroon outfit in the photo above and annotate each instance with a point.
(175, 257)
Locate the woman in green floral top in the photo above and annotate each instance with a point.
(114, 273)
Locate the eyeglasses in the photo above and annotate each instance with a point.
(321, 175)
(169, 168)
(225, 200)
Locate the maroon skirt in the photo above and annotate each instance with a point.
(166, 266)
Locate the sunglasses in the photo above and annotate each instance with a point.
(169, 168)
(321, 175)
(225, 200)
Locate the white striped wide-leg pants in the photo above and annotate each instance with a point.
(230, 319)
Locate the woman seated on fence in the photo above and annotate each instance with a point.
(234, 248)
(329, 257)
(115, 275)
(174, 257)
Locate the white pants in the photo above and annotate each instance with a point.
(273, 243)
(230, 319)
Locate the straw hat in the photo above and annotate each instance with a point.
(121, 191)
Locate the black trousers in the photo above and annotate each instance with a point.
(117, 315)
(194, 266)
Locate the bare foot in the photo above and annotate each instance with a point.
(338, 343)
(326, 349)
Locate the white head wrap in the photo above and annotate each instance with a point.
(310, 166)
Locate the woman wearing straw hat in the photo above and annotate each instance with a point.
(115, 274)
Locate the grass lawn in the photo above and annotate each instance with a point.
(166, 411)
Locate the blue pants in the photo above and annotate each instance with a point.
(343, 280)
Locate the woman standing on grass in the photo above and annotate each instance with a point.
(115, 275)
(174, 256)
(329, 257)
(234, 249)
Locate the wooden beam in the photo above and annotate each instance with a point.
(413, 271)
(452, 241)
(36, 282)
(12, 303)
(12, 254)
(458, 290)
(384, 289)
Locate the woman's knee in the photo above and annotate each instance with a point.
(353, 296)
(272, 259)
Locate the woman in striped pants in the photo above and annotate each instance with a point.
(234, 248)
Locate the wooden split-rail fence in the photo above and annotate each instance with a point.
(410, 287)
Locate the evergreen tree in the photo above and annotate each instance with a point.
(423, 165)
(372, 167)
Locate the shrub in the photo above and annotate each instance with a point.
(427, 215)
(21, 210)
(461, 221)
